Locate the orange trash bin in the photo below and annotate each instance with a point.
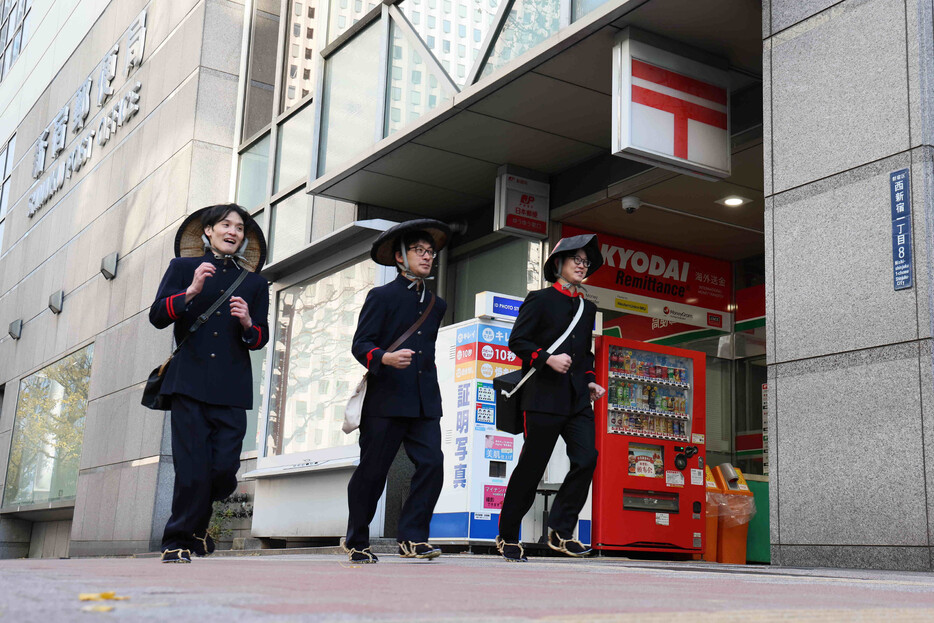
(714, 502)
(737, 509)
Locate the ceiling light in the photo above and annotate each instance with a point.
(733, 201)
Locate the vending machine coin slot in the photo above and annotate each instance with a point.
(651, 501)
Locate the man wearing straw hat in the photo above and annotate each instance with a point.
(557, 399)
(403, 401)
(218, 251)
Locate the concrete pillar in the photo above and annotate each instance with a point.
(847, 100)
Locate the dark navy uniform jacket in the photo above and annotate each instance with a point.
(543, 318)
(387, 313)
(213, 366)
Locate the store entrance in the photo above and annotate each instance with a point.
(687, 269)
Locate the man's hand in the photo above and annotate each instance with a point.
(205, 270)
(596, 392)
(559, 363)
(240, 310)
(399, 359)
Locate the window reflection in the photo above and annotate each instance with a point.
(313, 371)
(251, 179)
(472, 19)
(350, 108)
(48, 432)
(298, 72)
(583, 7)
(293, 153)
(413, 90)
(529, 23)
(344, 14)
(261, 70)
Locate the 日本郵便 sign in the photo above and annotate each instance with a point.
(670, 110)
(521, 203)
(900, 194)
(53, 139)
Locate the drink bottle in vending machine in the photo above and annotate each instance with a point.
(649, 491)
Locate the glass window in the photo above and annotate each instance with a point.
(305, 415)
(350, 107)
(297, 82)
(409, 63)
(293, 153)
(253, 416)
(251, 177)
(343, 16)
(6, 169)
(261, 69)
(583, 7)
(477, 15)
(48, 432)
(513, 267)
(529, 23)
(290, 229)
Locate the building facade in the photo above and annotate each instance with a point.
(329, 121)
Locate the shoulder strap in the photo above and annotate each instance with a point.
(558, 342)
(220, 301)
(213, 308)
(414, 327)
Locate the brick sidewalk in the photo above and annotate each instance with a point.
(455, 588)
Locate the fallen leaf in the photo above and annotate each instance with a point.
(100, 608)
(109, 595)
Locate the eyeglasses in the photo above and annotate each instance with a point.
(581, 261)
(422, 252)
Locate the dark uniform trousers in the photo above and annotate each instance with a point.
(206, 444)
(380, 438)
(402, 407)
(542, 431)
(554, 404)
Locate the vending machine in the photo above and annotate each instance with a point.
(649, 489)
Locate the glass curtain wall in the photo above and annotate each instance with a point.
(313, 370)
(419, 53)
(275, 155)
(48, 431)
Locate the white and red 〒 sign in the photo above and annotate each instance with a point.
(670, 110)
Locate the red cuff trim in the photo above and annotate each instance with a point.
(259, 333)
(369, 357)
(590, 372)
(169, 306)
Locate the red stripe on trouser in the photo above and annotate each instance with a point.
(683, 111)
(678, 82)
(525, 425)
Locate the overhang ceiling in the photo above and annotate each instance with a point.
(553, 114)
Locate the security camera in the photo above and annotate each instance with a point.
(631, 204)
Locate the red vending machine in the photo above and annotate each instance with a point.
(648, 491)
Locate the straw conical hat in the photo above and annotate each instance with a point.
(189, 241)
(385, 246)
(587, 242)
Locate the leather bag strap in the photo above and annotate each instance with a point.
(558, 342)
(414, 327)
(213, 308)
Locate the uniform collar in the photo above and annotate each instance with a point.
(570, 290)
(219, 260)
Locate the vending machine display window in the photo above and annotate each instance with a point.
(646, 461)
